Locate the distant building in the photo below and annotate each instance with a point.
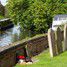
(2, 9)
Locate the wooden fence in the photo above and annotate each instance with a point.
(57, 41)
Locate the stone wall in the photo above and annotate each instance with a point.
(37, 45)
(33, 47)
(8, 56)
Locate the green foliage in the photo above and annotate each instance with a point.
(16, 8)
(34, 15)
(1, 17)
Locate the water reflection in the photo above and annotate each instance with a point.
(11, 35)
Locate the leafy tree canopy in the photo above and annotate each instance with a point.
(35, 15)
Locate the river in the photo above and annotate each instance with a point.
(11, 35)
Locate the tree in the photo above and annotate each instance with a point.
(16, 8)
(35, 15)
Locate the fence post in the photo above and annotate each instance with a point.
(59, 41)
(65, 38)
(51, 41)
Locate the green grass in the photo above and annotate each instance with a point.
(46, 61)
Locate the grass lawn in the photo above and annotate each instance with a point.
(46, 61)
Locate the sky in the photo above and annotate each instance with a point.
(3, 2)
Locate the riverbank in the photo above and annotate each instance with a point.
(46, 61)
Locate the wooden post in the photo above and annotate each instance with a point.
(51, 41)
(59, 41)
(65, 38)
